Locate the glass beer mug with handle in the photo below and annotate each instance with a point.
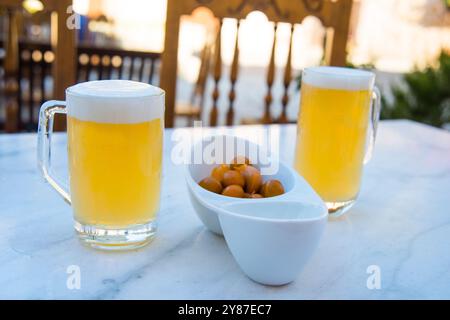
(336, 130)
(114, 140)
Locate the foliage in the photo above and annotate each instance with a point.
(424, 97)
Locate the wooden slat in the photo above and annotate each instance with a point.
(267, 117)
(80, 71)
(168, 80)
(49, 5)
(11, 65)
(11, 4)
(152, 71)
(19, 93)
(30, 91)
(63, 44)
(203, 77)
(141, 69)
(337, 53)
(130, 75)
(42, 78)
(287, 79)
(205, 64)
(100, 68)
(121, 68)
(109, 67)
(217, 75)
(233, 78)
(88, 69)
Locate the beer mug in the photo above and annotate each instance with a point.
(114, 140)
(336, 130)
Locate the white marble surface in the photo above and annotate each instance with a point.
(401, 223)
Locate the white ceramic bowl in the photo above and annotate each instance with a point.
(272, 241)
(206, 203)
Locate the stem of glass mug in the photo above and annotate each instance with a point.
(374, 118)
(45, 131)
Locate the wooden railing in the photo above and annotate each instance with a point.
(36, 82)
(117, 64)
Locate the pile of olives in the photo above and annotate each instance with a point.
(241, 179)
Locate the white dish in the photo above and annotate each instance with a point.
(272, 241)
(206, 203)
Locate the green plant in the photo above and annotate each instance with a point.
(424, 97)
(447, 3)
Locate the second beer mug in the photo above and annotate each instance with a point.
(337, 124)
(115, 137)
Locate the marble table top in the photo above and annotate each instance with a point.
(399, 231)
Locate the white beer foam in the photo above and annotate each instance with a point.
(339, 78)
(115, 101)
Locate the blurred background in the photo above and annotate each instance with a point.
(406, 42)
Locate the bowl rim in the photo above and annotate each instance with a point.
(219, 201)
(323, 215)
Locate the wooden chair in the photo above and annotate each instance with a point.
(63, 47)
(334, 15)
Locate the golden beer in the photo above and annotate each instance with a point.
(114, 141)
(115, 171)
(332, 132)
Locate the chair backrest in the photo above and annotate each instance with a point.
(334, 15)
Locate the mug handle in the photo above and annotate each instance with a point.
(45, 131)
(374, 119)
